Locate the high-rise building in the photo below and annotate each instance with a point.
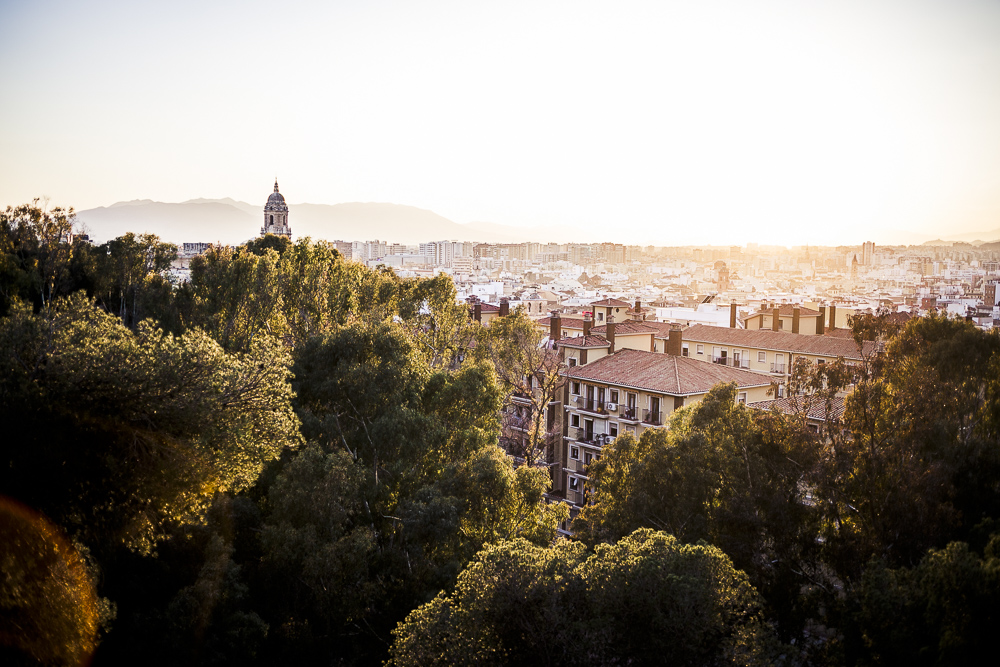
(867, 253)
(276, 215)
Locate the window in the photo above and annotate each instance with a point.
(588, 458)
(574, 484)
(700, 349)
(613, 429)
(684, 350)
(820, 362)
(600, 317)
(613, 396)
(781, 324)
(741, 398)
(574, 420)
(630, 429)
(762, 357)
(574, 453)
(576, 388)
(572, 362)
(814, 428)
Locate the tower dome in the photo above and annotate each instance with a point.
(276, 215)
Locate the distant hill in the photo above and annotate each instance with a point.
(208, 221)
(985, 237)
(230, 221)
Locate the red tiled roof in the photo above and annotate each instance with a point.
(488, 308)
(583, 341)
(662, 329)
(625, 328)
(780, 341)
(613, 303)
(815, 408)
(663, 373)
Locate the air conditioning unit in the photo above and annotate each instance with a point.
(612, 407)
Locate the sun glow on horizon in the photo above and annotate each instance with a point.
(664, 122)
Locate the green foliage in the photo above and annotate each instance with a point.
(529, 377)
(723, 473)
(115, 432)
(35, 254)
(402, 485)
(261, 244)
(919, 463)
(944, 611)
(131, 276)
(438, 324)
(641, 600)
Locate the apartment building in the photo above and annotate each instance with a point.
(762, 350)
(790, 318)
(815, 410)
(628, 392)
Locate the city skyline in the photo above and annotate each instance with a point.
(668, 124)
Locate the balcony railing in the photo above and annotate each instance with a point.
(591, 438)
(593, 405)
(653, 418)
(735, 362)
(628, 413)
(777, 368)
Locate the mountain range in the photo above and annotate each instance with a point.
(232, 222)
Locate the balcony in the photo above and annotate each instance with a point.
(628, 413)
(735, 362)
(778, 368)
(590, 438)
(521, 397)
(593, 406)
(653, 418)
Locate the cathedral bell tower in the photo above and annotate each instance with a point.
(276, 215)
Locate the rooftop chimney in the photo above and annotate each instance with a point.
(477, 312)
(821, 321)
(586, 324)
(610, 335)
(775, 318)
(555, 327)
(833, 316)
(675, 340)
(732, 315)
(504, 306)
(796, 313)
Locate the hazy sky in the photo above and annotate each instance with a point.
(666, 122)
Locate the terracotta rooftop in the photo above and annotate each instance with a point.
(613, 303)
(583, 341)
(663, 373)
(780, 341)
(815, 408)
(625, 328)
